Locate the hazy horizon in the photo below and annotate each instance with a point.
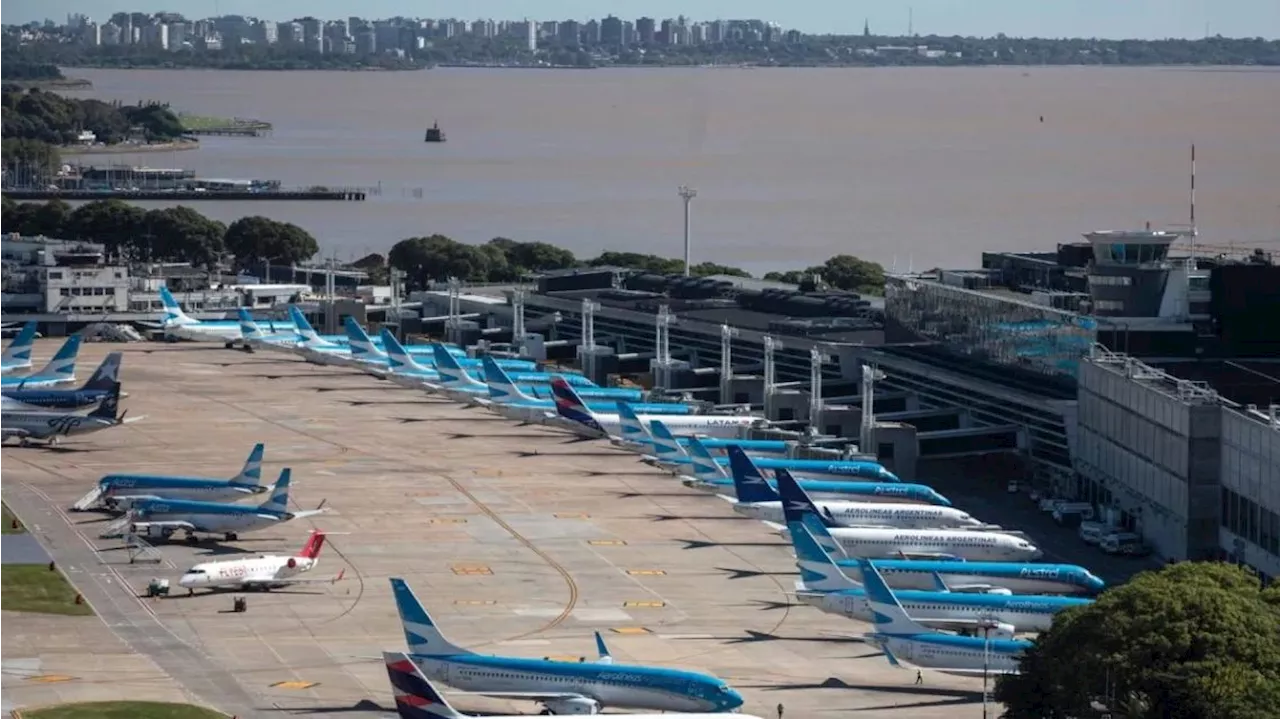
(1102, 19)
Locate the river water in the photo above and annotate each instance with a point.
(914, 166)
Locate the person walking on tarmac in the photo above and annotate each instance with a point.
(919, 677)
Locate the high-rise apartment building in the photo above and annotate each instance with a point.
(611, 32)
(645, 34)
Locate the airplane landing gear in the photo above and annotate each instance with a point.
(229, 344)
(231, 536)
(191, 538)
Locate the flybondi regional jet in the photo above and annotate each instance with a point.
(587, 423)
(561, 687)
(417, 698)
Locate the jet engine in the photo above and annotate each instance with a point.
(576, 705)
(980, 589)
(292, 563)
(1001, 631)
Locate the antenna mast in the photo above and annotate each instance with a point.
(1193, 205)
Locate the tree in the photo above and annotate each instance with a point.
(1195, 640)
(638, 261)
(534, 256)
(48, 219)
(847, 272)
(705, 269)
(114, 223)
(438, 257)
(257, 239)
(184, 235)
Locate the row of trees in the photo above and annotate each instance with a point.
(1196, 640)
(30, 71)
(437, 257)
(173, 234)
(32, 114)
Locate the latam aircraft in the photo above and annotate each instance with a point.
(18, 354)
(560, 687)
(758, 500)
(417, 698)
(903, 639)
(60, 369)
(587, 423)
(265, 572)
(824, 586)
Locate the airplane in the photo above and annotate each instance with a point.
(900, 637)
(417, 698)
(984, 577)
(18, 354)
(264, 572)
(636, 437)
(62, 368)
(587, 423)
(841, 489)
(507, 399)
(758, 500)
(449, 378)
(162, 517)
(119, 492)
(453, 372)
(560, 687)
(367, 349)
(91, 392)
(889, 542)
(824, 586)
(179, 324)
(700, 460)
(53, 426)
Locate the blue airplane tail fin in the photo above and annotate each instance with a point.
(63, 364)
(109, 408)
(501, 387)
(632, 428)
(570, 406)
(107, 374)
(358, 340)
(249, 329)
(416, 697)
(449, 369)
(889, 616)
(817, 571)
(704, 463)
(18, 353)
(602, 651)
(279, 500)
(420, 632)
(798, 501)
(397, 356)
(305, 330)
(251, 473)
(811, 522)
(173, 314)
(748, 483)
(665, 444)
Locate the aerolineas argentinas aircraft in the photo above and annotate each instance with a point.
(265, 572)
(119, 492)
(417, 698)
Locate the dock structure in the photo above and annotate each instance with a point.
(337, 194)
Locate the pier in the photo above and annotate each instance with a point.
(344, 194)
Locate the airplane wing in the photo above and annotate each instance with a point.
(174, 524)
(299, 580)
(8, 432)
(308, 513)
(952, 624)
(133, 419)
(531, 696)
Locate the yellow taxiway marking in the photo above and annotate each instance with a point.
(474, 602)
(50, 678)
(646, 572)
(471, 569)
(606, 542)
(294, 685)
(648, 604)
(630, 630)
(447, 520)
(572, 515)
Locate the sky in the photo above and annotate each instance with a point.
(1019, 18)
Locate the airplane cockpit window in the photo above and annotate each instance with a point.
(193, 570)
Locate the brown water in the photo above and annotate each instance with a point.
(928, 166)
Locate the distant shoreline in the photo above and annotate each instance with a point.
(66, 83)
(125, 149)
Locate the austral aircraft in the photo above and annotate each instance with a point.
(560, 687)
(121, 491)
(18, 354)
(52, 426)
(758, 500)
(60, 369)
(162, 517)
(265, 572)
(824, 586)
(92, 392)
(902, 639)
(417, 698)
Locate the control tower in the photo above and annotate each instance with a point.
(1130, 272)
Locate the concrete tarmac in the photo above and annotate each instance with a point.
(520, 540)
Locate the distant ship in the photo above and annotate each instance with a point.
(434, 133)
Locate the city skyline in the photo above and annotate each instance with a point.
(1150, 19)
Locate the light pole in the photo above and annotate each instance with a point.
(688, 193)
(986, 627)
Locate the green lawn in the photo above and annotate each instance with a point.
(33, 588)
(9, 520)
(208, 122)
(123, 710)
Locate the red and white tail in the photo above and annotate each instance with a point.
(312, 548)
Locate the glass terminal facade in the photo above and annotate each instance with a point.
(991, 328)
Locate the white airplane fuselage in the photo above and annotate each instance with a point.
(933, 652)
(123, 498)
(46, 425)
(855, 606)
(721, 426)
(869, 514)
(970, 545)
(242, 572)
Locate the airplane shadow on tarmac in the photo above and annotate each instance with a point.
(749, 573)
(946, 697)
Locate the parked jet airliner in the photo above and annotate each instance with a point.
(638, 437)
(700, 460)
(756, 499)
(179, 324)
(26, 425)
(824, 586)
(983, 577)
(900, 637)
(587, 423)
(417, 698)
(561, 687)
(91, 392)
(265, 572)
(506, 398)
(18, 354)
(122, 491)
(60, 369)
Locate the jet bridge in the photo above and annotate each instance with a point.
(972, 442)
